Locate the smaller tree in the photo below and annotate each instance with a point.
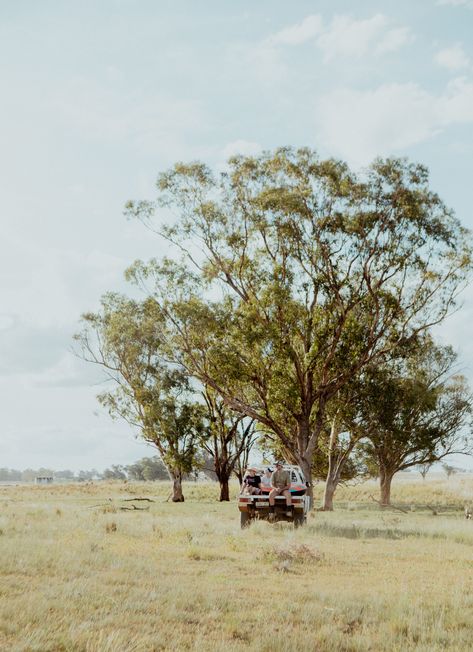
(341, 460)
(417, 413)
(86, 476)
(424, 469)
(449, 470)
(154, 397)
(28, 475)
(115, 472)
(230, 438)
(9, 474)
(339, 444)
(148, 468)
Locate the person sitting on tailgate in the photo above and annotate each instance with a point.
(281, 483)
(251, 482)
(266, 479)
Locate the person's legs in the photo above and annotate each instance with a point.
(272, 497)
(287, 496)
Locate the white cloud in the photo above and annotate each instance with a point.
(263, 60)
(56, 285)
(68, 371)
(150, 122)
(359, 125)
(344, 36)
(299, 33)
(58, 443)
(453, 58)
(348, 37)
(44, 301)
(394, 39)
(455, 105)
(30, 349)
(455, 330)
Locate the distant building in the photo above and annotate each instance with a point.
(44, 479)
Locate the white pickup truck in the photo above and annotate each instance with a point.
(257, 506)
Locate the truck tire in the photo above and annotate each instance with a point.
(299, 521)
(245, 520)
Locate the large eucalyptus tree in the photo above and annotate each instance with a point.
(297, 273)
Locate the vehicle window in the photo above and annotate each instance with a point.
(294, 476)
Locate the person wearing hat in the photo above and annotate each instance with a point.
(251, 482)
(281, 484)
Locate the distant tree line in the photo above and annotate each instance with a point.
(143, 470)
(29, 475)
(148, 468)
(298, 312)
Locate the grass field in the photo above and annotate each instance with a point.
(78, 573)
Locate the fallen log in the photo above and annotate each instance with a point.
(383, 506)
(134, 508)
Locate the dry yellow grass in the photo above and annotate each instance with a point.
(76, 577)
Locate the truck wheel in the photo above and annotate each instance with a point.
(245, 520)
(299, 521)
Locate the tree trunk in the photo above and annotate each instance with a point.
(385, 479)
(177, 495)
(223, 477)
(224, 489)
(333, 473)
(223, 470)
(306, 467)
(307, 438)
(239, 475)
(330, 486)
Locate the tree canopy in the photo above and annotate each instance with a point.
(296, 274)
(151, 395)
(416, 412)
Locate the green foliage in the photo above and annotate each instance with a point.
(148, 468)
(124, 338)
(449, 470)
(115, 472)
(298, 274)
(228, 442)
(414, 411)
(10, 475)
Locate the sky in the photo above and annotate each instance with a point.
(99, 97)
